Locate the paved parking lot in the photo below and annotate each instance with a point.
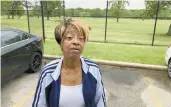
(125, 87)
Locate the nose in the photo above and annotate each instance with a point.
(76, 41)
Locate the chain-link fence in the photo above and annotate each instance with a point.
(111, 21)
(20, 15)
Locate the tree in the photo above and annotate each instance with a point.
(14, 6)
(97, 12)
(165, 13)
(138, 13)
(20, 11)
(126, 13)
(69, 12)
(27, 4)
(169, 31)
(6, 8)
(11, 8)
(50, 6)
(117, 7)
(36, 9)
(58, 10)
(152, 5)
(76, 12)
(83, 14)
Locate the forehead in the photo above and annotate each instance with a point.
(73, 30)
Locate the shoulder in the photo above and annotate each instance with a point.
(91, 63)
(49, 68)
(51, 65)
(94, 68)
(45, 75)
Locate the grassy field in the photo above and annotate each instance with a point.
(116, 52)
(126, 31)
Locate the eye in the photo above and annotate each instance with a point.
(69, 37)
(81, 38)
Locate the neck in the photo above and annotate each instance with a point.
(71, 63)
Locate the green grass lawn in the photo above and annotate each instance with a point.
(116, 52)
(126, 31)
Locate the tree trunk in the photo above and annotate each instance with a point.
(169, 31)
(47, 17)
(38, 16)
(12, 14)
(8, 16)
(117, 19)
(59, 15)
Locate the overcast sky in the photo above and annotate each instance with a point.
(133, 4)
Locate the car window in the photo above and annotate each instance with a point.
(9, 37)
(24, 36)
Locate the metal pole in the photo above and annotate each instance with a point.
(157, 9)
(47, 14)
(43, 28)
(64, 10)
(28, 20)
(106, 19)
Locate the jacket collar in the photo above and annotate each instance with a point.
(55, 75)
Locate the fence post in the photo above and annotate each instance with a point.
(107, 3)
(28, 20)
(47, 14)
(157, 9)
(42, 14)
(64, 10)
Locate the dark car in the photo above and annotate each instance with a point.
(20, 52)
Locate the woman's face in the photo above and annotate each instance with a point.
(73, 43)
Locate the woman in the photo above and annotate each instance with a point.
(70, 81)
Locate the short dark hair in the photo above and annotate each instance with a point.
(60, 30)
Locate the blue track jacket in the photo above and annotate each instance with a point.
(48, 89)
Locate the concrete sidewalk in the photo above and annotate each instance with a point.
(120, 64)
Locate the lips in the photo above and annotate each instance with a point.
(75, 49)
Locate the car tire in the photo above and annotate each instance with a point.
(169, 69)
(35, 62)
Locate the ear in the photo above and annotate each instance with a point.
(61, 47)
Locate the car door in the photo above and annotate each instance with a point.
(25, 50)
(9, 54)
